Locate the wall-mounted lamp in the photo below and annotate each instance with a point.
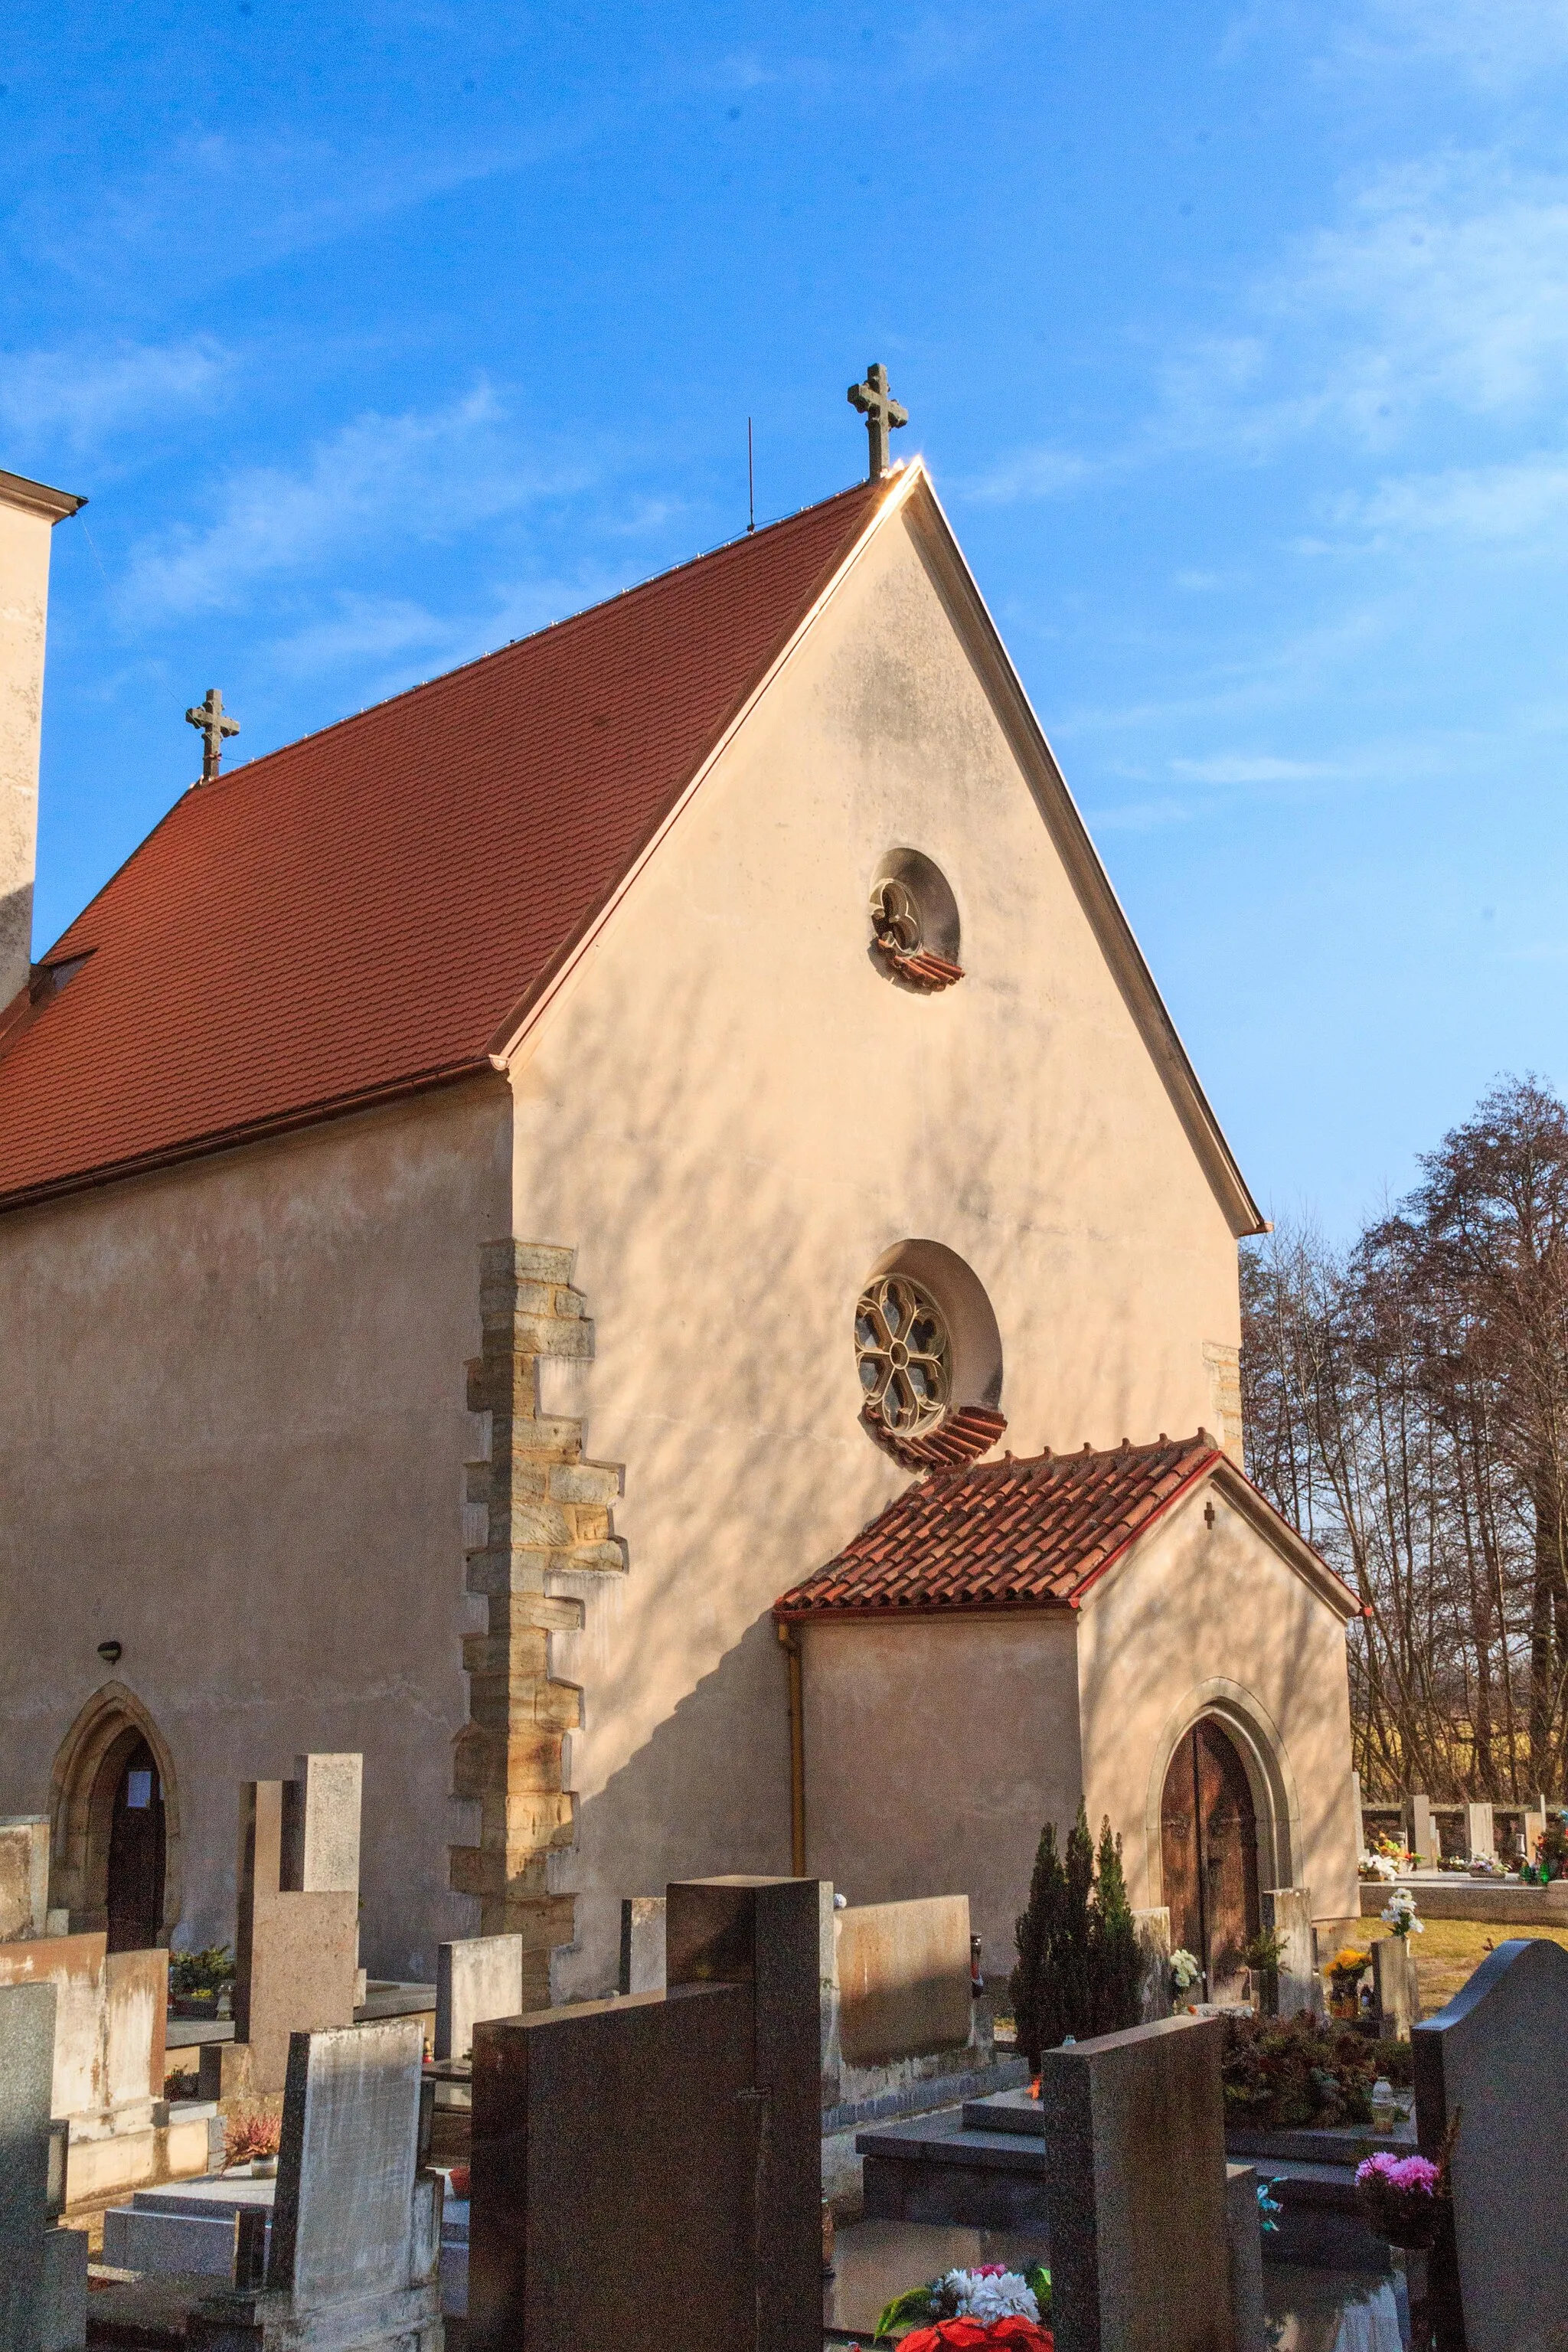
(111, 1653)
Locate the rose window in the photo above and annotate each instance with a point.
(902, 1348)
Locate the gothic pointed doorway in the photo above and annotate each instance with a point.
(1208, 1855)
(114, 1862)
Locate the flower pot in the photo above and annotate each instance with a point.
(1417, 2233)
(264, 2168)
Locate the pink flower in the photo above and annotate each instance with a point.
(1383, 2166)
(1416, 2175)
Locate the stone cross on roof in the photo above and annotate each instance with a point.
(881, 413)
(214, 723)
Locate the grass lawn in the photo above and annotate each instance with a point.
(1451, 1951)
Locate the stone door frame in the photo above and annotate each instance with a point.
(81, 1803)
(1275, 1798)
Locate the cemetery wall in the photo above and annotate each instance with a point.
(235, 1414)
(1197, 1618)
(732, 1114)
(988, 1703)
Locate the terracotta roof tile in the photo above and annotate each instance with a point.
(1014, 1534)
(367, 911)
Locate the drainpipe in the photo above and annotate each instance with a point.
(789, 1642)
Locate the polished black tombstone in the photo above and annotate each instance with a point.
(645, 2171)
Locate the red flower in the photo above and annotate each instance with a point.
(1012, 2335)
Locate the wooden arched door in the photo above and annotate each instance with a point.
(1208, 1855)
(136, 1847)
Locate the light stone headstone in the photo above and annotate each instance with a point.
(642, 1944)
(330, 1798)
(348, 2152)
(476, 1979)
(1288, 1912)
(296, 1940)
(1421, 1829)
(1153, 1931)
(1493, 2058)
(1394, 1986)
(1136, 2195)
(353, 2256)
(24, 1876)
(1481, 1833)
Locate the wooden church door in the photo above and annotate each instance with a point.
(136, 1854)
(1208, 1855)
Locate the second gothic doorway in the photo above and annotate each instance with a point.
(1208, 1854)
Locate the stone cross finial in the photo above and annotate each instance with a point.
(214, 723)
(882, 413)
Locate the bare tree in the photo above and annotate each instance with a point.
(1406, 1406)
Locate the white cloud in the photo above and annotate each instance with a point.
(85, 396)
(1525, 500)
(1040, 473)
(426, 475)
(1495, 43)
(1250, 768)
(1443, 285)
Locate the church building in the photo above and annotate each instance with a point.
(627, 1234)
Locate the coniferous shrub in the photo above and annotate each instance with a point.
(1079, 1970)
(1117, 1963)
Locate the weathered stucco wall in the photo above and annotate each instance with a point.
(1196, 1620)
(936, 1749)
(733, 1115)
(234, 1426)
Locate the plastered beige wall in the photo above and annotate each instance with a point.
(733, 1114)
(1198, 1619)
(233, 1429)
(24, 608)
(935, 1751)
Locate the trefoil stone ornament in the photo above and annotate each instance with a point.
(899, 935)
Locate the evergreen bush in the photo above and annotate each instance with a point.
(1079, 1969)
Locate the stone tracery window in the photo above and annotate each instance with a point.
(904, 1350)
(914, 923)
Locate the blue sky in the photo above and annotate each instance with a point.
(1237, 341)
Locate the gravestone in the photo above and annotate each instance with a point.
(296, 1935)
(43, 2268)
(642, 1944)
(1154, 1932)
(646, 2170)
(1243, 2247)
(1421, 1829)
(1481, 1826)
(1136, 2190)
(1287, 1914)
(904, 1978)
(24, 1876)
(1394, 1996)
(1493, 2059)
(110, 2012)
(354, 2249)
(476, 1979)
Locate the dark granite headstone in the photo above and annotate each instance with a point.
(1493, 2058)
(1135, 2190)
(645, 2171)
(27, 2072)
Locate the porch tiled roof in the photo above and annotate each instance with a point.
(1028, 1533)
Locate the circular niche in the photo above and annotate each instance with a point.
(914, 922)
(929, 1357)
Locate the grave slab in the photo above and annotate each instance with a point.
(297, 1948)
(1492, 2058)
(1288, 1912)
(875, 2261)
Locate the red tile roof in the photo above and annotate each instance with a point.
(373, 909)
(1028, 1534)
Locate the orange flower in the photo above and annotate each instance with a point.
(1012, 2335)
